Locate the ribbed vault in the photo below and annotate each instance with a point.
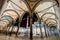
(42, 9)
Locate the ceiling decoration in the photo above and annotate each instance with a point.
(32, 3)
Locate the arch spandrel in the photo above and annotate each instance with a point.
(49, 10)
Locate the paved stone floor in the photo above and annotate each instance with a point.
(4, 37)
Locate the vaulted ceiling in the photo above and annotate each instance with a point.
(32, 3)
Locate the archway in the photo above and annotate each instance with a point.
(25, 25)
(35, 25)
(46, 17)
(25, 19)
(52, 27)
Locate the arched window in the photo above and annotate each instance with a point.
(25, 20)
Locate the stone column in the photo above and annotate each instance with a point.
(31, 37)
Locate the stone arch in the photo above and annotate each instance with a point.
(23, 15)
(52, 22)
(50, 13)
(18, 20)
(51, 19)
(11, 10)
(56, 22)
(37, 16)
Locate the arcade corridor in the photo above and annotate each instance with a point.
(29, 20)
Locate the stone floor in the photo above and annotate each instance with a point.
(4, 37)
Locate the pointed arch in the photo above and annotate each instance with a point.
(52, 19)
(24, 18)
(24, 14)
(50, 13)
